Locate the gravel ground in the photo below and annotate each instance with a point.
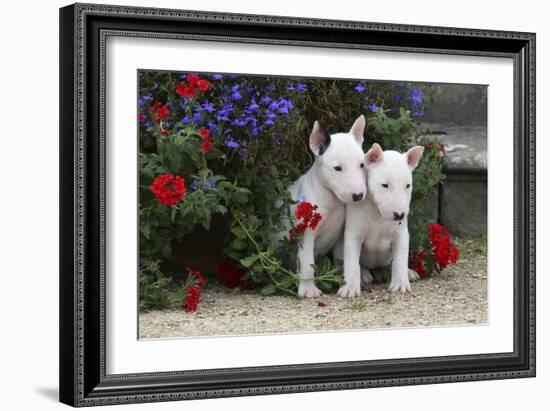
(457, 296)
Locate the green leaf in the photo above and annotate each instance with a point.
(269, 289)
(247, 262)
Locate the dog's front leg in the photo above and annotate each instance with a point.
(400, 260)
(352, 270)
(306, 259)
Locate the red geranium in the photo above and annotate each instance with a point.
(186, 90)
(308, 216)
(169, 189)
(416, 263)
(231, 276)
(203, 85)
(207, 140)
(192, 299)
(189, 88)
(160, 110)
(444, 251)
(195, 287)
(193, 79)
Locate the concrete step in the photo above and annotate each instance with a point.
(462, 196)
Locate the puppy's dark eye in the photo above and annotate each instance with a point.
(362, 165)
(385, 185)
(408, 186)
(338, 168)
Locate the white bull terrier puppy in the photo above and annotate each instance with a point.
(376, 232)
(336, 178)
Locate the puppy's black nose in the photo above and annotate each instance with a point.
(357, 196)
(397, 216)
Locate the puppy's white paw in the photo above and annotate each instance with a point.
(350, 291)
(400, 285)
(366, 277)
(308, 290)
(413, 275)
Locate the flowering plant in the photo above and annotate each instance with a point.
(191, 291)
(226, 147)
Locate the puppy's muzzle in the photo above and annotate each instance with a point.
(398, 217)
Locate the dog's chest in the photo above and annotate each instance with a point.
(329, 232)
(377, 246)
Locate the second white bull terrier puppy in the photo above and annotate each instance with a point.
(336, 178)
(376, 232)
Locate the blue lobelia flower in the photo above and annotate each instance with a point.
(217, 76)
(373, 107)
(232, 144)
(416, 95)
(196, 116)
(236, 95)
(359, 88)
(301, 87)
(208, 107)
(186, 120)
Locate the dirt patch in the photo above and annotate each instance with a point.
(457, 296)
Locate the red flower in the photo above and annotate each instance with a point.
(193, 79)
(195, 286)
(231, 276)
(444, 251)
(191, 301)
(207, 140)
(186, 90)
(310, 218)
(416, 263)
(203, 85)
(164, 132)
(160, 110)
(197, 277)
(169, 189)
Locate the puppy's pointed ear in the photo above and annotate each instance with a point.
(413, 156)
(319, 139)
(374, 156)
(358, 129)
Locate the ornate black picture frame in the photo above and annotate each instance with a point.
(83, 29)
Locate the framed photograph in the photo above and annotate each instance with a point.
(261, 204)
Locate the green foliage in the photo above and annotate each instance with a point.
(153, 287)
(245, 186)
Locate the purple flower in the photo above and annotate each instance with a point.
(193, 185)
(373, 107)
(232, 144)
(217, 76)
(236, 95)
(359, 88)
(196, 116)
(213, 183)
(143, 99)
(208, 107)
(416, 95)
(253, 106)
(266, 100)
(301, 87)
